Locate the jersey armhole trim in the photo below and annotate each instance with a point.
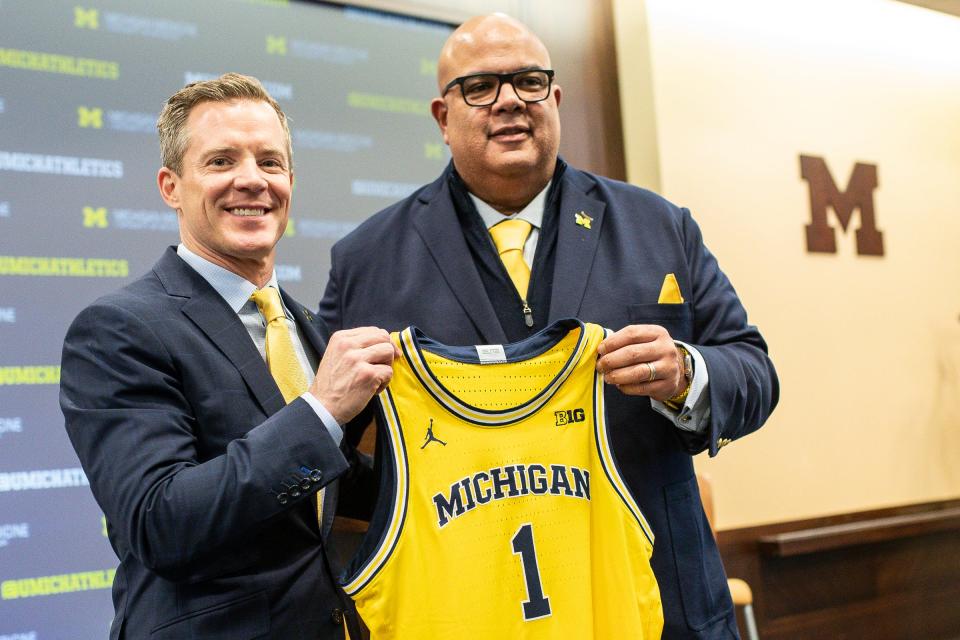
(388, 542)
(609, 463)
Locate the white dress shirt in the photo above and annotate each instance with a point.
(694, 415)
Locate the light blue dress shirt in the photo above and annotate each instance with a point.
(236, 291)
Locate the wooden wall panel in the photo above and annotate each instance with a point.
(897, 579)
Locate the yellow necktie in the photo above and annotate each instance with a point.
(281, 358)
(509, 237)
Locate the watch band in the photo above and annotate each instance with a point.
(676, 402)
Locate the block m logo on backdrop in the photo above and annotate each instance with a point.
(821, 237)
(89, 117)
(84, 18)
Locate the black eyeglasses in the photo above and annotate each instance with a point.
(483, 89)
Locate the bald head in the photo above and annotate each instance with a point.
(505, 151)
(482, 35)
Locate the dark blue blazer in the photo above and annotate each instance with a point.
(409, 265)
(206, 477)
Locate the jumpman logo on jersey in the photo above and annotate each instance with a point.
(430, 437)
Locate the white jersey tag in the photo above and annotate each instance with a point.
(491, 353)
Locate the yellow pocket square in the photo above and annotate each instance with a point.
(670, 291)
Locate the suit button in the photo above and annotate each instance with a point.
(294, 491)
(316, 475)
(283, 498)
(337, 616)
(305, 483)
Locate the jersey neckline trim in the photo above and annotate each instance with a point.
(413, 342)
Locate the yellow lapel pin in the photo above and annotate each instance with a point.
(583, 219)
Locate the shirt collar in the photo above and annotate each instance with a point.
(236, 290)
(532, 213)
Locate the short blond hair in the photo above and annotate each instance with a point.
(172, 123)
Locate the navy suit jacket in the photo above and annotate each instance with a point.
(206, 477)
(410, 265)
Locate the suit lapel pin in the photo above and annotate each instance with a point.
(308, 314)
(583, 219)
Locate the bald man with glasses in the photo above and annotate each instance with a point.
(510, 238)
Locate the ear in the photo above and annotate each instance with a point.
(557, 93)
(168, 181)
(439, 110)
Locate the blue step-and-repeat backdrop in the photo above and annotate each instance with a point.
(81, 84)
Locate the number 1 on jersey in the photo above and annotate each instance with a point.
(537, 605)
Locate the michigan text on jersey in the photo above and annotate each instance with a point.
(511, 481)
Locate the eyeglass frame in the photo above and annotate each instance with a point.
(501, 78)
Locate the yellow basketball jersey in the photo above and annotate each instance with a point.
(507, 517)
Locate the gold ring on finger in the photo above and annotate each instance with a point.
(653, 372)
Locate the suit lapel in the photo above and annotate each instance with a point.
(576, 244)
(210, 313)
(307, 322)
(440, 230)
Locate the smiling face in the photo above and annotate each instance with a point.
(232, 195)
(508, 149)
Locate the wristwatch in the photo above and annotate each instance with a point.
(687, 364)
(676, 402)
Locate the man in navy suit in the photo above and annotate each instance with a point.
(686, 371)
(208, 478)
